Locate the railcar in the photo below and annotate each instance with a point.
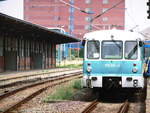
(114, 59)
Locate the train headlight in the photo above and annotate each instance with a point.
(89, 69)
(134, 70)
(135, 83)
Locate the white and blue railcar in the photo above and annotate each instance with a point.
(114, 59)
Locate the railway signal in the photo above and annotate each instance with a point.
(148, 3)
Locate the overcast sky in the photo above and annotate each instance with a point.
(12, 7)
(135, 12)
(136, 15)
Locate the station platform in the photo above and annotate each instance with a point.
(14, 74)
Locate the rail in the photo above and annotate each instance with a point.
(3, 81)
(90, 107)
(50, 83)
(49, 79)
(124, 108)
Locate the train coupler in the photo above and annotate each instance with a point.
(88, 82)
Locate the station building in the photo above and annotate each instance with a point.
(26, 46)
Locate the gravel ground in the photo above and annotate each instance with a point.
(107, 108)
(37, 105)
(60, 107)
(110, 106)
(81, 100)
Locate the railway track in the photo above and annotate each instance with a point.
(10, 83)
(90, 107)
(14, 99)
(123, 109)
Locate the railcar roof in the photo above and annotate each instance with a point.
(113, 34)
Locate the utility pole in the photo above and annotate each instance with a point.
(71, 22)
(148, 3)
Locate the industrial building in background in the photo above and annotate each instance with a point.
(75, 17)
(56, 13)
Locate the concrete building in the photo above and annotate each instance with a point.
(56, 13)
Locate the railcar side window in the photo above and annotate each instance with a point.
(131, 50)
(112, 49)
(93, 49)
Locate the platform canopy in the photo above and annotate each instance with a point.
(13, 26)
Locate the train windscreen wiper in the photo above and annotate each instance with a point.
(131, 53)
(117, 44)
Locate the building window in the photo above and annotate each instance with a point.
(88, 19)
(88, 1)
(105, 1)
(56, 18)
(88, 10)
(88, 27)
(105, 19)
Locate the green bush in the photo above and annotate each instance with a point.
(61, 93)
(77, 84)
(71, 66)
(65, 92)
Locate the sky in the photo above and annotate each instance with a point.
(135, 12)
(12, 8)
(136, 15)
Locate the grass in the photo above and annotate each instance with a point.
(71, 66)
(1, 110)
(65, 92)
(77, 84)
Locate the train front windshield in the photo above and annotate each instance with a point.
(131, 50)
(112, 49)
(93, 49)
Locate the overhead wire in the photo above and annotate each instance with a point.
(132, 19)
(107, 10)
(92, 12)
(75, 7)
(136, 25)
